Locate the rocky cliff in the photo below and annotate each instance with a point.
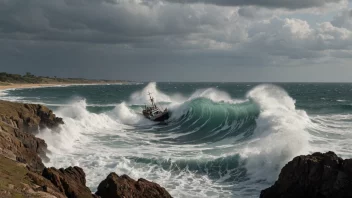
(18, 125)
(320, 175)
(23, 174)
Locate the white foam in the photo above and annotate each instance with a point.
(341, 100)
(142, 97)
(332, 132)
(214, 95)
(127, 116)
(279, 136)
(78, 121)
(3, 93)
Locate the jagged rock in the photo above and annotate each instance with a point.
(35, 144)
(44, 185)
(28, 117)
(313, 176)
(13, 148)
(70, 181)
(115, 186)
(18, 122)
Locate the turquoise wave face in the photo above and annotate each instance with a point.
(202, 120)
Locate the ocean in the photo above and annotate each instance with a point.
(222, 139)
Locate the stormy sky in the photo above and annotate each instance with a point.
(179, 40)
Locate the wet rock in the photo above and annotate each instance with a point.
(115, 186)
(47, 118)
(70, 181)
(320, 175)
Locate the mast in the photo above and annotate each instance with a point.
(151, 98)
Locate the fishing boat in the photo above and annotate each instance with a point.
(154, 113)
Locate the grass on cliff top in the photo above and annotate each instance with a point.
(11, 173)
(4, 83)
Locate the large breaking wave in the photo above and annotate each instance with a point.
(213, 145)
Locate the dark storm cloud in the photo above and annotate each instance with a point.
(94, 21)
(288, 4)
(120, 21)
(85, 60)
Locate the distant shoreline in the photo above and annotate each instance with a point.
(39, 85)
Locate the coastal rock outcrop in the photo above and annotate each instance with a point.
(70, 181)
(28, 117)
(115, 186)
(320, 175)
(18, 124)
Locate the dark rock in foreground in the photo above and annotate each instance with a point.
(115, 186)
(70, 181)
(320, 175)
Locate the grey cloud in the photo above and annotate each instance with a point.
(117, 22)
(343, 20)
(253, 12)
(132, 34)
(296, 39)
(89, 21)
(288, 4)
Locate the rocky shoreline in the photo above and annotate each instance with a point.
(23, 173)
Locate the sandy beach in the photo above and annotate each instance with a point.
(19, 86)
(12, 86)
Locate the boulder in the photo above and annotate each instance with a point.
(320, 175)
(115, 186)
(70, 181)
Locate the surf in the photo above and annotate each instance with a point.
(224, 145)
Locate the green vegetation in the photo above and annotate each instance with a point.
(12, 176)
(16, 78)
(6, 78)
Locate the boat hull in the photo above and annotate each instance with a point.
(157, 118)
(164, 116)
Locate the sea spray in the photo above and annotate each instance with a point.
(78, 121)
(123, 114)
(214, 95)
(142, 97)
(280, 134)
